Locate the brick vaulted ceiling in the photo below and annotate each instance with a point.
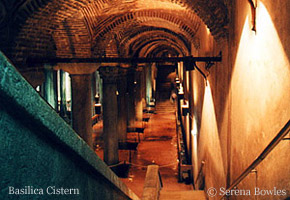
(92, 28)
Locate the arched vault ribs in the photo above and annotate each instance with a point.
(132, 43)
(104, 19)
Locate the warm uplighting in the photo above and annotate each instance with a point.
(194, 146)
(209, 138)
(187, 82)
(159, 5)
(207, 31)
(261, 74)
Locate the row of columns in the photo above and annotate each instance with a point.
(112, 111)
(81, 84)
(122, 104)
(124, 92)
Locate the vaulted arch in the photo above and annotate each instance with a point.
(132, 43)
(68, 28)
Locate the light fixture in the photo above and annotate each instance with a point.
(201, 72)
(185, 108)
(188, 65)
(177, 81)
(181, 92)
(253, 9)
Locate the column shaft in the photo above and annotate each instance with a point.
(81, 106)
(110, 132)
(110, 114)
(138, 96)
(50, 87)
(131, 97)
(122, 109)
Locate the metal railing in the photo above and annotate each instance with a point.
(282, 133)
(199, 172)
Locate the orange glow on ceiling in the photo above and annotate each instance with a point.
(159, 5)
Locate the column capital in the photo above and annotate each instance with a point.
(111, 74)
(140, 67)
(78, 68)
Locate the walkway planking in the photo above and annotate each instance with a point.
(158, 146)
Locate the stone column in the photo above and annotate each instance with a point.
(154, 76)
(81, 106)
(122, 108)
(81, 83)
(138, 94)
(131, 97)
(148, 84)
(110, 113)
(143, 85)
(93, 92)
(62, 92)
(50, 86)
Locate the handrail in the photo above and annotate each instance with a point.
(199, 172)
(282, 133)
(153, 183)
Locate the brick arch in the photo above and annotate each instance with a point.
(143, 47)
(72, 38)
(121, 41)
(151, 49)
(188, 27)
(213, 12)
(136, 20)
(158, 51)
(128, 38)
(31, 23)
(39, 18)
(133, 43)
(127, 35)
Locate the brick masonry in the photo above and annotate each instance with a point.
(80, 28)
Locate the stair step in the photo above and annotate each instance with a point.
(182, 195)
(164, 107)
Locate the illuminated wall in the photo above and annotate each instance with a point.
(209, 143)
(246, 101)
(260, 106)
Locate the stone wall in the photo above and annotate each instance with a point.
(260, 83)
(246, 101)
